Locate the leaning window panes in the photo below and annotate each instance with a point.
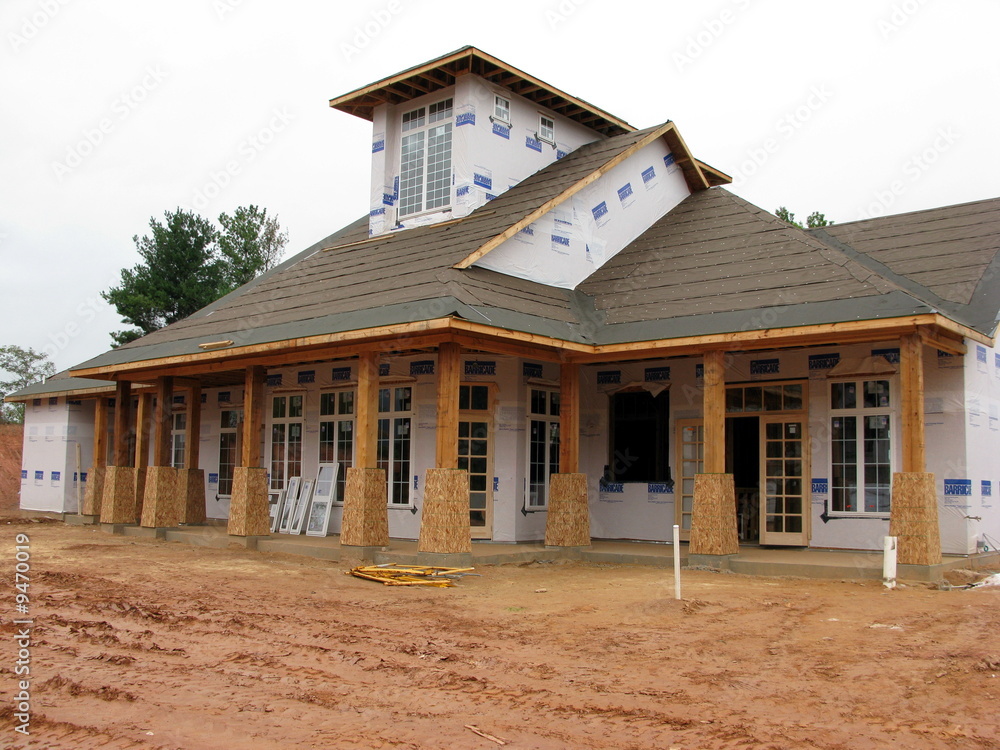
(336, 434)
(425, 159)
(286, 439)
(861, 446)
(394, 431)
(543, 444)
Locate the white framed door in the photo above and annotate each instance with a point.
(784, 476)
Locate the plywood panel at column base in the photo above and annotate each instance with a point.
(568, 522)
(94, 494)
(366, 517)
(713, 516)
(444, 525)
(139, 490)
(161, 501)
(118, 502)
(913, 519)
(248, 506)
(191, 486)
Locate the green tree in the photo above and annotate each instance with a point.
(26, 366)
(813, 221)
(249, 243)
(187, 263)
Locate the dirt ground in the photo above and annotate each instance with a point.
(145, 644)
(11, 443)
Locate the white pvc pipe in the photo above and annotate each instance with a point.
(677, 561)
(889, 562)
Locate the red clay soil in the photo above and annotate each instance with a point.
(11, 442)
(137, 643)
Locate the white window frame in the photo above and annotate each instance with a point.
(424, 191)
(540, 500)
(550, 137)
(389, 459)
(342, 414)
(860, 413)
(290, 468)
(498, 110)
(178, 439)
(235, 432)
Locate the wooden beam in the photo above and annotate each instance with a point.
(161, 422)
(911, 377)
(253, 415)
(366, 412)
(123, 412)
(449, 366)
(563, 196)
(192, 440)
(714, 396)
(101, 432)
(569, 418)
(143, 420)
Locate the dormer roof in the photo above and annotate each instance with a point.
(441, 72)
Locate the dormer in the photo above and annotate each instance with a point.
(453, 133)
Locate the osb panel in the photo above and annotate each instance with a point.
(366, 516)
(248, 507)
(118, 501)
(713, 516)
(140, 491)
(444, 525)
(913, 519)
(191, 485)
(568, 522)
(161, 502)
(94, 493)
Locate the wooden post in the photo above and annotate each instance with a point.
(118, 502)
(248, 505)
(95, 475)
(191, 479)
(162, 506)
(713, 514)
(123, 413)
(714, 399)
(449, 379)
(911, 379)
(569, 418)
(143, 417)
(366, 416)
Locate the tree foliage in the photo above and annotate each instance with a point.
(187, 263)
(813, 220)
(26, 366)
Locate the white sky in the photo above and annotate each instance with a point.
(855, 108)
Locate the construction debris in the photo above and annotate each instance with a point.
(394, 574)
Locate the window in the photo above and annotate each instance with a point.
(543, 444)
(228, 450)
(336, 434)
(286, 439)
(395, 407)
(639, 438)
(768, 397)
(860, 440)
(501, 110)
(425, 162)
(178, 435)
(546, 129)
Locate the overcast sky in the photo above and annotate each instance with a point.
(114, 111)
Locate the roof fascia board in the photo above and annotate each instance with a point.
(568, 193)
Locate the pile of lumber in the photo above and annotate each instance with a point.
(394, 574)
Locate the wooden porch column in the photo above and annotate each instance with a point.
(161, 504)
(444, 525)
(567, 523)
(713, 513)
(248, 506)
(366, 517)
(118, 503)
(143, 419)
(913, 517)
(191, 479)
(94, 494)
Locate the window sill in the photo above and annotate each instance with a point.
(869, 516)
